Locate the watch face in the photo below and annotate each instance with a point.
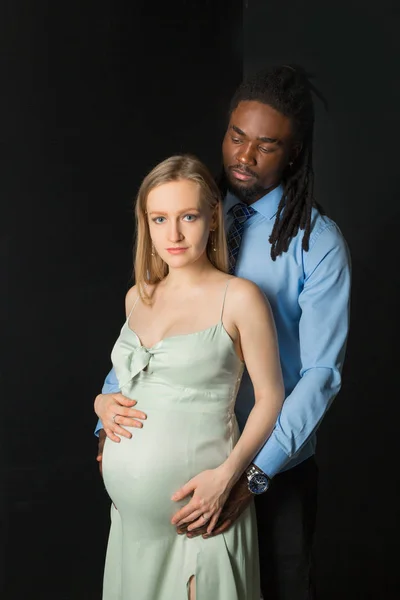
(258, 484)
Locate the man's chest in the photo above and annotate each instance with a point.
(281, 280)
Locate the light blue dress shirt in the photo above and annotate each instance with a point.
(309, 293)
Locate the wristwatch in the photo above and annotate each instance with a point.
(257, 481)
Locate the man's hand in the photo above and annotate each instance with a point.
(99, 458)
(115, 410)
(238, 500)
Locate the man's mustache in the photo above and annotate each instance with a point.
(244, 170)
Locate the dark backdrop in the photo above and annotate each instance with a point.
(94, 94)
(354, 50)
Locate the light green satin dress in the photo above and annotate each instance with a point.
(187, 386)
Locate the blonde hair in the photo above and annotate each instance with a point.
(149, 267)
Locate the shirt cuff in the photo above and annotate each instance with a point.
(98, 427)
(110, 387)
(271, 459)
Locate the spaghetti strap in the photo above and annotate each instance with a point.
(133, 306)
(223, 301)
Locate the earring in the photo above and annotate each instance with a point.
(212, 240)
(152, 249)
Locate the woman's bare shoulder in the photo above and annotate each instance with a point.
(130, 298)
(245, 289)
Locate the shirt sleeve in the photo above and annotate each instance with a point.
(323, 329)
(110, 386)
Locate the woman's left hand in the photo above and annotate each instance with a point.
(210, 490)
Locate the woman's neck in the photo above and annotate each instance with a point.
(189, 276)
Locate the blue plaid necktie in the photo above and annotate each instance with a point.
(241, 212)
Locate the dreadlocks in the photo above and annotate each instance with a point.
(287, 89)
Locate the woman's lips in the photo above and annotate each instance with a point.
(176, 250)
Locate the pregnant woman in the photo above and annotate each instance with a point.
(190, 330)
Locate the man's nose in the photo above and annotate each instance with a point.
(246, 155)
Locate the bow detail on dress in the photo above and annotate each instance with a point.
(129, 362)
(139, 360)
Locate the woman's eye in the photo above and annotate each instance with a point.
(190, 218)
(159, 219)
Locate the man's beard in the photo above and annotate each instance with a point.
(245, 194)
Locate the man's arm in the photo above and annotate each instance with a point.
(110, 386)
(323, 330)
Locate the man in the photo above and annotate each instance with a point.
(278, 238)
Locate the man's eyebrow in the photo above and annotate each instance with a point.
(266, 140)
(239, 131)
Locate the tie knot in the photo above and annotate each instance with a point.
(242, 212)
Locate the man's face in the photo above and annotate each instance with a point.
(257, 147)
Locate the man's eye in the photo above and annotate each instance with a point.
(265, 150)
(235, 140)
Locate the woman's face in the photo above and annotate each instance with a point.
(179, 222)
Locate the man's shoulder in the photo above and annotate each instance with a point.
(326, 242)
(324, 229)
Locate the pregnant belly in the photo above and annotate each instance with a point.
(142, 473)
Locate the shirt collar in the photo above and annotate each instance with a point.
(267, 206)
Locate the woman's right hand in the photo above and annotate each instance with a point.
(115, 410)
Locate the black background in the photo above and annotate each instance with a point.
(93, 95)
(354, 51)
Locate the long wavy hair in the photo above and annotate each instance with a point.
(149, 267)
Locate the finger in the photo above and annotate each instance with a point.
(184, 491)
(199, 523)
(112, 436)
(184, 512)
(128, 421)
(102, 440)
(123, 400)
(196, 532)
(213, 521)
(199, 531)
(222, 528)
(131, 413)
(190, 518)
(121, 431)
